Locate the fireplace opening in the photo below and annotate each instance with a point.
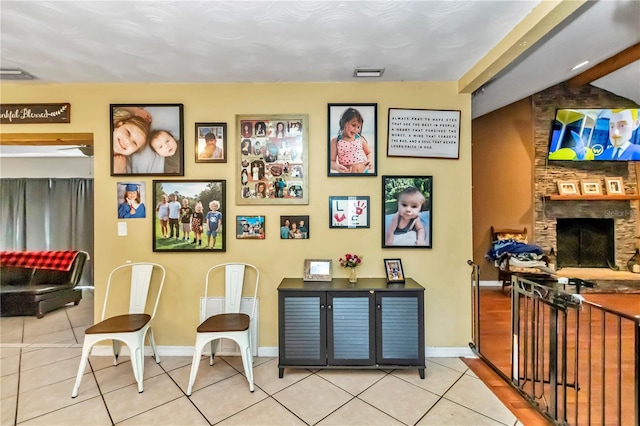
(585, 243)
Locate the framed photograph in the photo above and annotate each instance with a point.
(349, 212)
(147, 139)
(614, 185)
(211, 143)
(272, 159)
(352, 138)
(317, 270)
(423, 133)
(189, 215)
(394, 271)
(568, 187)
(294, 227)
(250, 227)
(591, 187)
(131, 196)
(406, 212)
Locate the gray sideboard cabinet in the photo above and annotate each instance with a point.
(337, 324)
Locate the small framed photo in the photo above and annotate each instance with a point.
(614, 185)
(294, 227)
(131, 196)
(394, 271)
(568, 187)
(250, 227)
(591, 187)
(349, 212)
(407, 211)
(211, 143)
(352, 137)
(190, 215)
(317, 270)
(147, 139)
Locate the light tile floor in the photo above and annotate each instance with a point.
(39, 360)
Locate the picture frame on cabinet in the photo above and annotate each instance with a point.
(591, 187)
(250, 227)
(211, 143)
(614, 185)
(147, 139)
(204, 201)
(393, 270)
(349, 212)
(352, 137)
(568, 187)
(317, 270)
(272, 159)
(411, 228)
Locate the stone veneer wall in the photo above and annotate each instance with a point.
(547, 173)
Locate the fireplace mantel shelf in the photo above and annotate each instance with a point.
(557, 197)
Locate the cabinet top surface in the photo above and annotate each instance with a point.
(343, 284)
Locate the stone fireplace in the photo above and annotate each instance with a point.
(585, 243)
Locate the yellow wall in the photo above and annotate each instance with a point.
(441, 270)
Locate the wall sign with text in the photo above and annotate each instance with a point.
(35, 113)
(423, 133)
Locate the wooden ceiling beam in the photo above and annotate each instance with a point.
(614, 63)
(39, 139)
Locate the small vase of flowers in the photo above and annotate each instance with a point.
(351, 261)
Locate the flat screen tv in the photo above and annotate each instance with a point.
(595, 134)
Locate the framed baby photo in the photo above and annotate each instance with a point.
(614, 185)
(393, 270)
(189, 215)
(349, 212)
(294, 227)
(423, 133)
(407, 211)
(131, 200)
(352, 137)
(211, 143)
(147, 139)
(250, 227)
(272, 159)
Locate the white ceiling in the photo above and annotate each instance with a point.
(309, 41)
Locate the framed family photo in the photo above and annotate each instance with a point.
(189, 215)
(614, 185)
(147, 139)
(352, 137)
(211, 143)
(250, 227)
(272, 159)
(393, 269)
(407, 215)
(294, 227)
(349, 212)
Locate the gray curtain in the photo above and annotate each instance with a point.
(48, 214)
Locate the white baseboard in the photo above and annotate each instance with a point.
(490, 283)
(272, 351)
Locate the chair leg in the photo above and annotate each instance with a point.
(152, 342)
(214, 348)
(86, 350)
(137, 364)
(117, 345)
(247, 363)
(195, 363)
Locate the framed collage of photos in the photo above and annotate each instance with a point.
(190, 215)
(272, 165)
(352, 137)
(147, 139)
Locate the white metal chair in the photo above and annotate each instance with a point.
(130, 328)
(231, 324)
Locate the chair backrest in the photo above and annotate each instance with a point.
(141, 273)
(234, 281)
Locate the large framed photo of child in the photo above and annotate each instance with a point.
(147, 139)
(211, 143)
(407, 215)
(189, 215)
(272, 159)
(352, 138)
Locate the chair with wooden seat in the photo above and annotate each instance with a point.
(130, 328)
(231, 324)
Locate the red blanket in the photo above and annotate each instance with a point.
(57, 260)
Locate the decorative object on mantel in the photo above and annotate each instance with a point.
(35, 113)
(634, 263)
(351, 261)
(614, 185)
(552, 259)
(591, 187)
(568, 187)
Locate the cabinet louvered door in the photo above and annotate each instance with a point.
(400, 326)
(350, 326)
(302, 335)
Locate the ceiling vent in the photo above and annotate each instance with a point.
(15, 74)
(368, 72)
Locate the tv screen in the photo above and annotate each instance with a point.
(595, 134)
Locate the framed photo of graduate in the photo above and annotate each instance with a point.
(406, 212)
(272, 159)
(147, 139)
(349, 212)
(352, 137)
(190, 215)
(211, 143)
